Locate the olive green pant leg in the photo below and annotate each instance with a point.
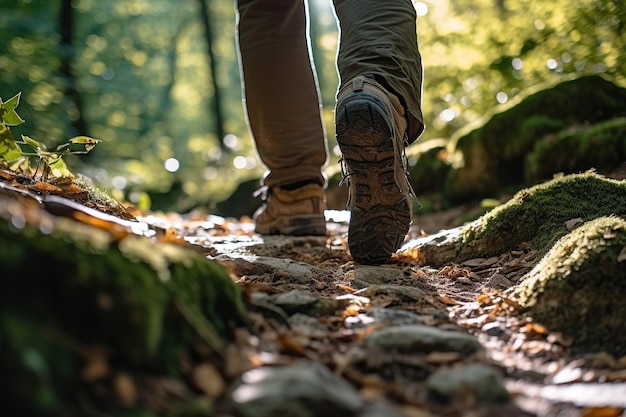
(280, 90)
(380, 38)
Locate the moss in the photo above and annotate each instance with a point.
(579, 287)
(428, 167)
(538, 214)
(601, 146)
(67, 287)
(534, 216)
(494, 154)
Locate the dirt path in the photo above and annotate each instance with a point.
(421, 341)
(310, 301)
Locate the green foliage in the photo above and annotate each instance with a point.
(18, 151)
(51, 161)
(8, 148)
(143, 77)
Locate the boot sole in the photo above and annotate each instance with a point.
(380, 211)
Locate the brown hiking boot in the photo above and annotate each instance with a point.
(295, 212)
(371, 129)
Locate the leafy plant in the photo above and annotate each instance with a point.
(18, 152)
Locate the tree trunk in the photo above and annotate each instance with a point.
(66, 27)
(216, 105)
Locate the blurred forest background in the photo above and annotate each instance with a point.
(158, 80)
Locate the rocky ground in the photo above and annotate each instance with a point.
(330, 336)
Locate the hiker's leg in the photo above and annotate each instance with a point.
(379, 37)
(281, 90)
(377, 114)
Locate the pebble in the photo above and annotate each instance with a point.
(483, 381)
(414, 338)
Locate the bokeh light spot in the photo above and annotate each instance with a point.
(172, 164)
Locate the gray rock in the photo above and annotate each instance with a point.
(304, 302)
(400, 292)
(483, 381)
(305, 389)
(380, 409)
(415, 338)
(395, 316)
(375, 275)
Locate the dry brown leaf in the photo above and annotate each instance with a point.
(447, 300)
(291, 345)
(601, 412)
(117, 231)
(76, 192)
(125, 389)
(207, 379)
(47, 188)
(96, 364)
(535, 328)
(442, 358)
(171, 236)
(346, 288)
(512, 303)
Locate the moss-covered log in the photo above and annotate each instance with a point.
(535, 216)
(579, 287)
(68, 290)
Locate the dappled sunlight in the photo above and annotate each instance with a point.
(141, 73)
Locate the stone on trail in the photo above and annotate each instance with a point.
(484, 382)
(418, 338)
(304, 389)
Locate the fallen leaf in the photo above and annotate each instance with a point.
(292, 345)
(208, 379)
(601, 412)
(47, 188)
(125, 389)
(447, 300)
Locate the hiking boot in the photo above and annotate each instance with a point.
(371, 129)
(296, 212)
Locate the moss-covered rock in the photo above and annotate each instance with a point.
(428, 167)
(601, 146)
(494, 154)
(579, 287)
(536, 215)
(68, 290)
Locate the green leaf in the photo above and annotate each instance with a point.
(9, 151)
(30, 146)
(58, 167)
(82, 144)
(9, 115)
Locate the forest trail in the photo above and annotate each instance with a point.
(310, 302)
(330, 337)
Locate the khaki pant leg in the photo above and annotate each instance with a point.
(380, 37)
(280, 90)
